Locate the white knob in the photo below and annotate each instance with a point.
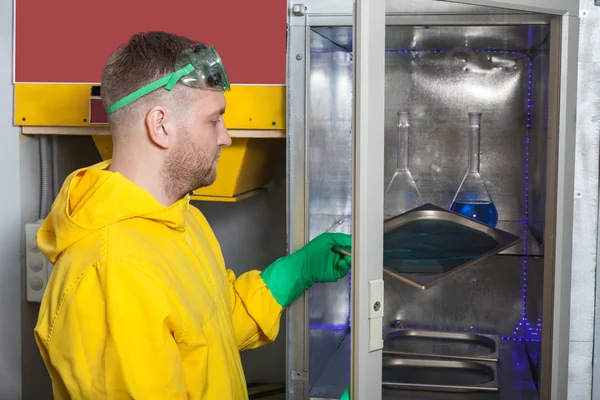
(36, 283)
(36, 265)
(33, 246)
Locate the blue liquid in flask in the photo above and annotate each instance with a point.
(472, 198)
(482, 211)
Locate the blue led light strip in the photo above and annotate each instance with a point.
(524, 330)
(340, 327)
(350, 300)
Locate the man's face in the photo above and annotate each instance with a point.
(192, 162)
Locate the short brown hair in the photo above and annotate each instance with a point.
(148, 56)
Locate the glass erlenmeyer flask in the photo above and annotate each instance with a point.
(472, 198)
(402, 194)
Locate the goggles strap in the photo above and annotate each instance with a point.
(168, 81)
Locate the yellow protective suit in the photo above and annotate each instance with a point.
(140, 305)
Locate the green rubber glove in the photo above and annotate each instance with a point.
(346, 395)
(316, 262)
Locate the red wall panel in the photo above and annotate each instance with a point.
(70, 40)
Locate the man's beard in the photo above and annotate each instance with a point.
(187, 168)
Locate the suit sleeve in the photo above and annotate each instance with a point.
(256, 313)
(115, 336)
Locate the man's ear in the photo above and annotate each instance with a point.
(160, 127)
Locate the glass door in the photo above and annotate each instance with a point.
(463, 155)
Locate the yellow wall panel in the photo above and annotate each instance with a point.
(244, 168)
(248, 107)
(52, 104)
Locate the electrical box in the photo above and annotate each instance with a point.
(38, 268)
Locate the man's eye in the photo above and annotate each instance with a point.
(216, 122)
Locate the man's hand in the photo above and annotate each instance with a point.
(289, 276)
(324, 263)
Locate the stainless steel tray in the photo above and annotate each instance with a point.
(441, 345)
(439, 375)
(443, 243)
(429, 244)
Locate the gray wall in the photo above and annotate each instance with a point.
(583, 284)
(10, 208)
(251, 234)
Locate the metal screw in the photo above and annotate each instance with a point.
(298, 57)
(298, 10)
(377, 306)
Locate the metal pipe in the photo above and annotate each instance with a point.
(55, 176)
(45, 178)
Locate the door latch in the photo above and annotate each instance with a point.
(376, 315)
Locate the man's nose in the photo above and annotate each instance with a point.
(223, 139)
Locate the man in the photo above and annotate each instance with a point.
(139, 304)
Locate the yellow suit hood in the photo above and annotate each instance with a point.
(93, 198)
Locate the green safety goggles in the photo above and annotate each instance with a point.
(199, 67)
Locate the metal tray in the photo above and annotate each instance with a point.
(439, 375)
(429, 244)
(444, 345)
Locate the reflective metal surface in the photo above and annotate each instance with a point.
(336, 374)
(330, 140)
(494, 84)
(296, 318)
(513, 38)
(327, 13)
(438, 375)
(329, 183)
(424, 232)
(514, 378)
(561, 144)
(329, 172)
(484, 299)
(442, 7)
(494, 303)
(538, 152)
(438, 344)
(441, 102)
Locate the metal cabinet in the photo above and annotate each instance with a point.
(352, 67)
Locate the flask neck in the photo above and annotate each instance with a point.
(402, 149)
(474, 134)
